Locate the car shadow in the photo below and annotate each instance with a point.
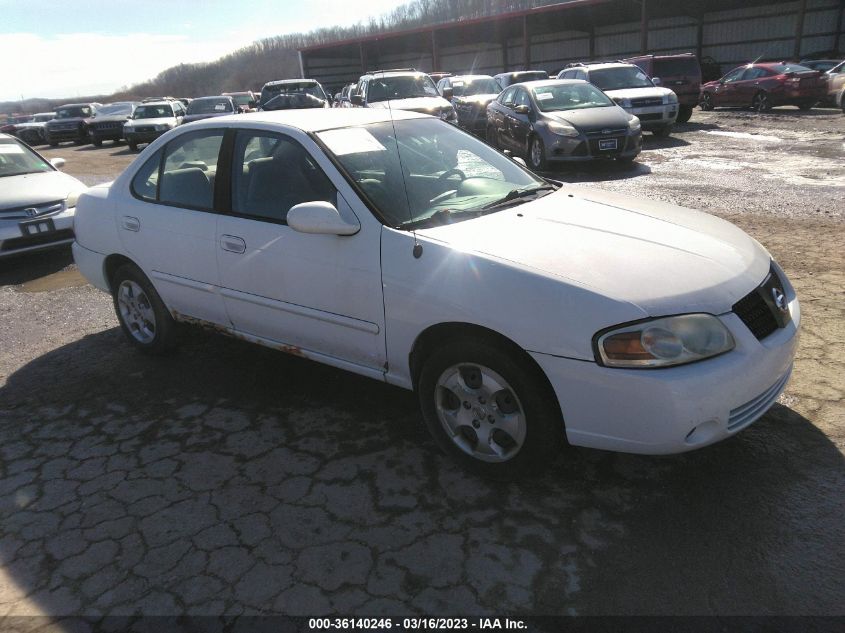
(652, 142)
(19, 269)
(233, 479)
(598, 171)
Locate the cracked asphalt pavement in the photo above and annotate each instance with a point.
(232, 479)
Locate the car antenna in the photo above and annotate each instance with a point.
(418, 249)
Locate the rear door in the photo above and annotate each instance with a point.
(749, 84)
(168, 224)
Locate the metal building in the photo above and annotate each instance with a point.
(730, 31)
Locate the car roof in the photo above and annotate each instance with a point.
(72, 105)
(394, 73)
(540, 83)
(156, 103)
(317, 119)
(602, 66)
(280, 82)
(468, 77)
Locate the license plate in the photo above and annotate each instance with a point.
(607, 143)
(37, 227)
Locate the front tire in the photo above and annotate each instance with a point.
(536, 155)
(806, 105)
(143, 317)
(97, 142)
(706, 103)
(662, 132)
(488, 409)
(684, 113)
(132, 145)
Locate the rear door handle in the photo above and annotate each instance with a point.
(131, 224)
(232, 243)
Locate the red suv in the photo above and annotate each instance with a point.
(680, 73)
(763, 86)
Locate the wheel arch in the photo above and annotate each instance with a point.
(442, 333)
(112, 263)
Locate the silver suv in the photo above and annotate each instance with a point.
(403, 89)
(656, 107)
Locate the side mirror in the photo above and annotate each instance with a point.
(522, 109)
(448, 93)
(321, 218)
(58, 163)
(356, 100)
(656, 81)
(519, 159)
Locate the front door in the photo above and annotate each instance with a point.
(169, 225)
(725, 93)
(317, 293)
(521, 122)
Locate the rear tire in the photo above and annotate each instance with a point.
(684, 113)
(502, 422)
(706, 102)
(662, 132)
(132, 145)
(97, 142)
(807, 105)
(761, 102)
(143, 317)
(53, 143)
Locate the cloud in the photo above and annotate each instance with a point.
(78, 64)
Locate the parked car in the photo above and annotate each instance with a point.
(655, 106)
(293, 94)
(764, 86)
(107, 124)
(37, 201)
(680, 73)
(70, 123)
(470, 95)
(822, 65)
(518, 76)
(343, 98)
(32, 131)
(519, 310)
(244, 101)
(210, 107)
(437, 75)
(402, 89)
(561, 120)
(13, 122)
(835, 86)
(150, 120)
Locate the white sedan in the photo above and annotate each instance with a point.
(521, 311)
(36, 200)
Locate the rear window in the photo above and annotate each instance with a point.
(676, 67)
(788, 68)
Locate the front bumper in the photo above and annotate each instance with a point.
(61, 135)
(106, 134)
(676, 409)
(655, 117)
(14, 242)
(143, 137)
(586, 148)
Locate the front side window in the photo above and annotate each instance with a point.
(734, 75)
(433, 173)
(521, 98)
(506, 97)
(272, 173)
(189, 170)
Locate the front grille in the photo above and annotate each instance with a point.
(607, 133)
(746, 414)
(17, 243)
(651, 116)
(20, 213)
(758, 311)
(63, 127)
(109, 125)
(145, 129)
(644, 102)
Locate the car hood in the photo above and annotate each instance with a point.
(157, 121)
(480, 99)
(661, 258)
(20, 126)
(638, 93)
(35, 189)
(589, 119)
(199, 117)
(67, 121)
(426, 105)
(111, 118)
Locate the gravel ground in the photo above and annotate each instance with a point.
(233, 479)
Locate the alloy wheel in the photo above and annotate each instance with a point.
(136, 311)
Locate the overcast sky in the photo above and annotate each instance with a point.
(64, 48)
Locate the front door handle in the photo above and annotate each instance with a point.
(232, 243)
(130, 223)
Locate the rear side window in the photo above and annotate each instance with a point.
(190, 166)
(145, 183)
(682, 66)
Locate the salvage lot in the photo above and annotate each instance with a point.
(231, 478)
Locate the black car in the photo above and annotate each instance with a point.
(209, 107)
(470, 95)
(518, 76)
(70, 124)
(293, 94)
(107, 123)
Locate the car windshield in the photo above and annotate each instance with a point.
(209, 106)
(619, 78)
(240, 100)
(309, 88)
(574, 96)
(73, 112)
(17, 159)
(400, 87)
(483, 86)
(435, 174)
(152, 112)
(782, 69)
(111, 109)
(41, 118)
(531, 75)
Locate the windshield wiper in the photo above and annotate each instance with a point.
(515, 196)
(438, 218)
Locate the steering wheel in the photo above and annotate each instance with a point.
(452, 172)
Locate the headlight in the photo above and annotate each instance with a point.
(670, 98)
(70, 201)
(562, 129)
(634, 124)
(664, 342)
(624, 103)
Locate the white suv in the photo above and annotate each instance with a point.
(656, 107)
